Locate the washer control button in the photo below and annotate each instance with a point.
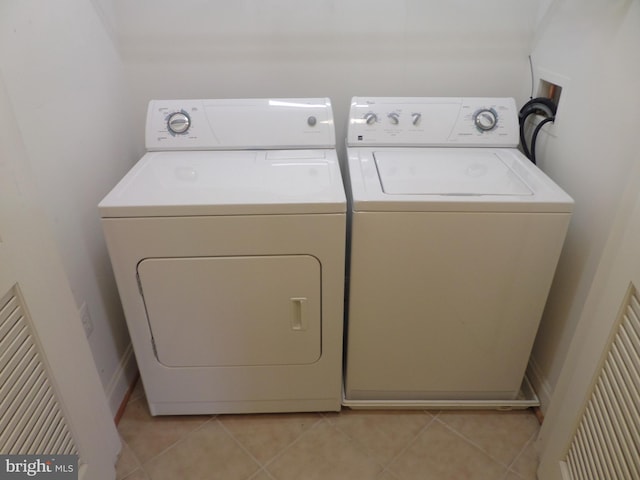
(312, 121)
(393, 118)
(371, 118)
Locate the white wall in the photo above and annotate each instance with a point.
(590, 49)
(334, 48)
(69, 94)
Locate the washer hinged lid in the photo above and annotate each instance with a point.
(229, 183)
(450, 179)
(448, 172)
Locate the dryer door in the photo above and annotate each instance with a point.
(233, 311)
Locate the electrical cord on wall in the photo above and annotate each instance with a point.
(541, 106)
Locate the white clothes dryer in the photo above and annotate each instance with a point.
(227, 241)
(454, 241)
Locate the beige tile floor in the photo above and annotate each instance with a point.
(353, 444)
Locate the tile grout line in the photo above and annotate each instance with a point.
(410, 443)
(174, 444)
(139, 469)
(506, 474)
(142, 399)
(135, 457)
(284, 450)
(385, 466)
(124, 442)
(529, 442)
(263, 465)
(473, 444)
(244, 449)
(355, 443)
(358, 445)
(389, 472)
(262, 470)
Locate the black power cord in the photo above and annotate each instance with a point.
(541, 106)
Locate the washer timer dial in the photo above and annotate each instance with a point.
(178, 122)
(485, 119)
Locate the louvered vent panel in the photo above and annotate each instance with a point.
(31, 421)
(606, 444)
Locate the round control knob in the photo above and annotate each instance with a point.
(415, 118)
(486, 119)
(312, 121)
(393, 118)
(178, 122)
(370, 118)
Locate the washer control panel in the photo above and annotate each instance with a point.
(220, 124)
(433, 121)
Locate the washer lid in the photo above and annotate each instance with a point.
(444, 179)
(229, 183)
(446, 172)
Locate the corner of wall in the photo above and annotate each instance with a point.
(540, 384)
(121, 381)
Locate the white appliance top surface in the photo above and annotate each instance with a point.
(242, 182)
(449, 172)
(450, 179)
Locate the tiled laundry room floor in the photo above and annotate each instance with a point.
(351, 445)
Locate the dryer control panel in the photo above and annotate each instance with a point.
(228, 124)
(433, 121)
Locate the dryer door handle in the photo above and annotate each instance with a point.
(300, 313)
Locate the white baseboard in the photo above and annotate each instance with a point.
(540, 384)
(121, 380)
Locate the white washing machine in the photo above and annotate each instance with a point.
(227, 241)
(455, 237)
